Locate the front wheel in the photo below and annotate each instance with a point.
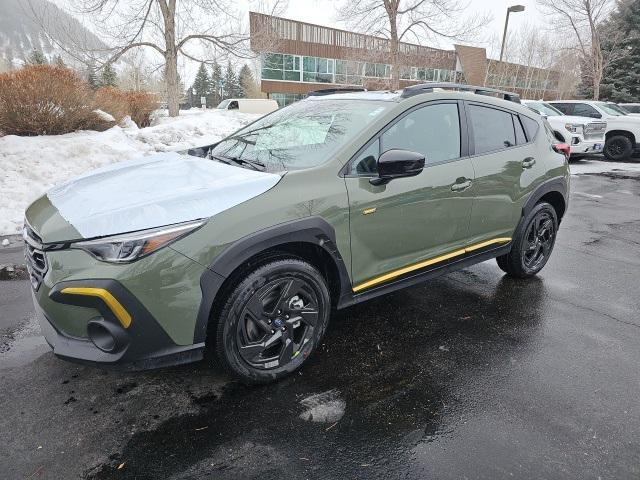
(532, 243)
(618, 148)
(272, 321)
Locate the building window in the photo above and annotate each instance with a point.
(317, 70)
(276, 66)
(378, 70)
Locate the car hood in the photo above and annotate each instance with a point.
(159, 190)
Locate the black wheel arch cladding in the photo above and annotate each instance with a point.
(310, 230)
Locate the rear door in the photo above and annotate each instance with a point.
(505, 167)
(408, 220)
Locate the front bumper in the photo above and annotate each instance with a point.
(143, 345)
(587, 146)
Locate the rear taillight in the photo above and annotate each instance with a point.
(563, 148)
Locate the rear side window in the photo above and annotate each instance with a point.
(566, 108)
(520, 137)
(584, 110)
(433, 130)
(530, 126)
(492, 129)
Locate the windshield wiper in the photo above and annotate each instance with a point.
(254, 164)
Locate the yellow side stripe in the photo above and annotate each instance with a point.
(110, 301)
(416, 266)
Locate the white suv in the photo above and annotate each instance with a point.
(585, 135)
(623, 130)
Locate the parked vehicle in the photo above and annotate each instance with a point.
(623, 130)
(249, 105)
(584, 134)
(246, 245)
(631, 108)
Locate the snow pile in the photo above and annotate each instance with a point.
(30, 166)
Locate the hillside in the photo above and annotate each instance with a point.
(21, 32)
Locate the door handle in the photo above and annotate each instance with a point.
(528, 162)
(461, 184)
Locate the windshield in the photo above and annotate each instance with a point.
(611, 109)
(544, 109)
(304, 134)
(223, 104)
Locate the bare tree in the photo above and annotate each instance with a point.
(194, 29)
(418, 20)
(584, 18)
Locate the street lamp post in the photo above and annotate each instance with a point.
(514, 9)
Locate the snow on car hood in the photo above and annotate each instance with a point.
(158, 190)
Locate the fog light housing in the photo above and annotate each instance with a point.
(106, 336)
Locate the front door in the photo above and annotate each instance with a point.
(410, 220)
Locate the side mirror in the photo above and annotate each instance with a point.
(397, 163)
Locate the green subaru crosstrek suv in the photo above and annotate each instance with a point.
(245, 246)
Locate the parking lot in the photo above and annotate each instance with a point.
(473, 375)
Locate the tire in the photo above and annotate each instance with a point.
(532, 243)
(267, 327)
(618, 148)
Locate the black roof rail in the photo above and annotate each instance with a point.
(330, 91)
(428, 87)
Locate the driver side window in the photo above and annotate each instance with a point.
(433, 130)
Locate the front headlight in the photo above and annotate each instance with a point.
(128, 247)
(574, 127)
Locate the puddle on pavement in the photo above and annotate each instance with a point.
(22, 345)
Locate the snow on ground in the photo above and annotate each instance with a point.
(30, 166)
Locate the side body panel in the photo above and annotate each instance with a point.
(415, 218)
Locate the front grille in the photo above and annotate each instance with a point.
(595, 131)
(34, 255)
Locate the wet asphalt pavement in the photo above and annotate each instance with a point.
(473, 375)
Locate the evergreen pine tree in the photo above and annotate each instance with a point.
(231, 87)
(216, 83)
(58, 62)
(108, 76)
(37, 58)
(621, 80)
(247, 83)
(201, 84)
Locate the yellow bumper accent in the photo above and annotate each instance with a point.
(110, 301)
(432, 261)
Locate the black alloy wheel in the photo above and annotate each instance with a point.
(277, 322)
(532, 243)
(618, 148)
(272, 320)
(539, 240)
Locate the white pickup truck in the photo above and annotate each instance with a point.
(585, 135)
(623, 130)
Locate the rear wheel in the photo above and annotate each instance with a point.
(272, 321)
(618, 148)
(532, 244)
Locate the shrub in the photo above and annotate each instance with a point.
(120, 103)
(113, 101)
(45, 100)
(141, 106)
